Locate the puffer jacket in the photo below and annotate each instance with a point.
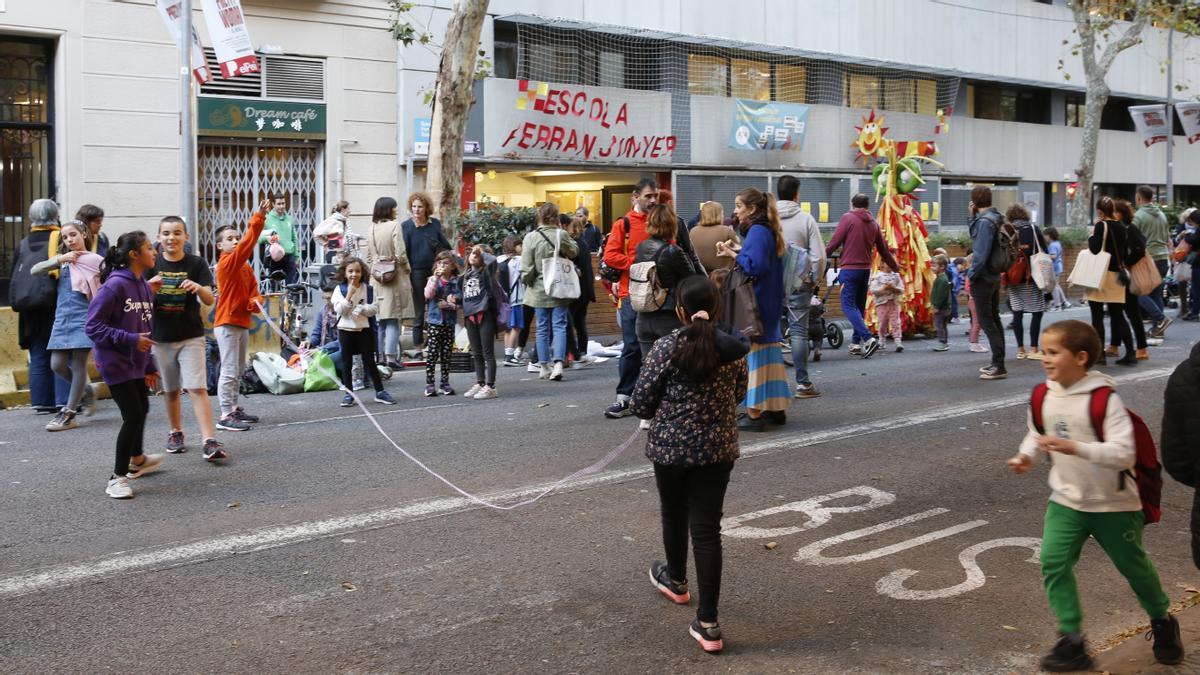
(1180, 444)
(673, 265)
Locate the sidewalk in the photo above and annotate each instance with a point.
(1134, 654)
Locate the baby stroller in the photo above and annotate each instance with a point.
(819, 329)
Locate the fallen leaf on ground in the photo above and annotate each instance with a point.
(349, 586)
(233, 505)
(1009, 627)
(771, 546)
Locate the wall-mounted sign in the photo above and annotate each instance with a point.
(1189, 117)
(227, 29)
(766, 125)
(258, 118)
(1151, 122)
(524, 118)
(422, 130)
(172, 15)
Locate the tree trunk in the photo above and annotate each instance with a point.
(1097, 97)
(453, 97)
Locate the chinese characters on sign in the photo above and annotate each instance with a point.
(231, 40)
(766, 125)
(540, 119)
(257, 118)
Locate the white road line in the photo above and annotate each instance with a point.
(377, 414)
(46, 578)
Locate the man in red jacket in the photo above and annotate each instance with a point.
(627, 232)
(860, 238)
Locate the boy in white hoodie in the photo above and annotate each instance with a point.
(1092, 494)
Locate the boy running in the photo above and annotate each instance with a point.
(182, 281)
(237, 292)
(1092, 494)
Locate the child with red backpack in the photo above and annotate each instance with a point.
(1105, 483)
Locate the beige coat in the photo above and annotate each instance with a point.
(386, 242)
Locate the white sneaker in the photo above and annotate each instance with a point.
(556, 373)
(534, 367)
(470, 393)
(978, 348)
(644, 425)
(544, 371)
(118, 488)
(358, 385)
(587, 359)
(150, 464)
(486, 392)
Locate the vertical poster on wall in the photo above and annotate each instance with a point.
(230, 38)
(1151, 122)
(172, 15)
(1189, 117)
(766, 125)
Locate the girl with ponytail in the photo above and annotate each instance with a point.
(690, 384)
(119, 324)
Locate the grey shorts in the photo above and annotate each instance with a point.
(181, 364)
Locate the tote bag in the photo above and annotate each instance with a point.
(560, 279)
(740, 304)
(1091, 268)
(315, 379)
(1183, 272)
(1144, 276)
(1041, 267)
(1111, 290)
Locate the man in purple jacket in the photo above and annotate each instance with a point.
(859, 237)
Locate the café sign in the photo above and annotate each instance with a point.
(259, 118)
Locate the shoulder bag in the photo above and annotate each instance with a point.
(383, 271)
(560, 278)
(1091, 268)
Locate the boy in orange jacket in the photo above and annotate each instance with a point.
(237, 295)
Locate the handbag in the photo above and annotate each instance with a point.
(1091, 268)
(1144, 276)
(383, 271)
(741, 305)
(1183, 272)
(1041, 267)
(317, 374)
(560, 278)
(1111, 290)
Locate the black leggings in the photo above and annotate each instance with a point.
(1133, 314)
(1035, 328)
(692, 497)
(133, 400)
(523, 338)
(361, 342)
(1116, 315)
(483, 347)
(577, 335)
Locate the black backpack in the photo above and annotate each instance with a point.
(1006, 247)
(28, 292)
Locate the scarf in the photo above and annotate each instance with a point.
(85, 274)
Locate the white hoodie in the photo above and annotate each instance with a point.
(1091, 480)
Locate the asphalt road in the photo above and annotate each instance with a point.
(878, 531)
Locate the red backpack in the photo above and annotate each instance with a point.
(1147, 471)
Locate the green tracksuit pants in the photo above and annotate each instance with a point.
(1120, 535)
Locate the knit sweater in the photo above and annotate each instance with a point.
(1090, 480)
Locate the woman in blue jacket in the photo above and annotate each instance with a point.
(760, 257)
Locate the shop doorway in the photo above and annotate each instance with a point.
(234, 177)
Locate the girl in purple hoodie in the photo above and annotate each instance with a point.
(118, 324)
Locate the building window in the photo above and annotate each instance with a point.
(707, 75)
(1076, 110)
(552, 63)
(751, 79)
(994, 103)
(26, 139)
(791, 84)
(863, 91)
(910, 96)
(610, 69)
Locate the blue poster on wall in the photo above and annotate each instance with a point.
(766, 125)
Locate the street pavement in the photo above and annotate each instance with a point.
(877, 531)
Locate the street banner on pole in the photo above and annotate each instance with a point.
(227, 28)
(1189, 117)
(766, 125)
(1151, 122)
(172, 14)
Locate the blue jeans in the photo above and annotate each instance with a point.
(630, 364)
(1153, 304)
(546, 316)
(46, 390)
(798, 305)
(389, 336)
(854, 302)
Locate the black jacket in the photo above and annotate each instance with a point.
(672, 266)
(1115, 245)
(1180, 445)
(583, 262)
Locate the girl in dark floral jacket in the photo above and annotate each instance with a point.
(690, 386)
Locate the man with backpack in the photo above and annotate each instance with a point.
(994, 249)
(619, 252)
(34, 299)
(806, 255)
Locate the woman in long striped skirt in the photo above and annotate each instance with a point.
(761, 258)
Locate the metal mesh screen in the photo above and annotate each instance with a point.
(698, 71)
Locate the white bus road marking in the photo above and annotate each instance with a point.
(161, 557)
(812, 554)
(893, 584)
